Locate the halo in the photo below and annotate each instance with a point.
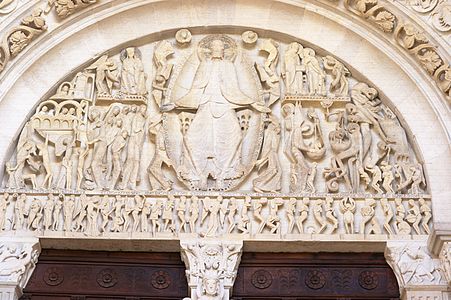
(230, 46)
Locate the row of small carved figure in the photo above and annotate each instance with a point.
(225, 215)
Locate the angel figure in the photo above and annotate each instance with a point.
(315, 74)
(339, 85)
(133, 78)
(267, 72)
(293, 70)
(107, 74)
(347, 207)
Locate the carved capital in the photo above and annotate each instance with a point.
(445, 258)
(211, 267)
(18, 258)
(415, 267)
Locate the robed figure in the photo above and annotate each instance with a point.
(214, 137)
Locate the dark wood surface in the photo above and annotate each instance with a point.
(289, 276)
(86, 275)
(93, 275)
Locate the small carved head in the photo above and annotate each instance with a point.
(116, 110)
(211, 286)
(217, 49)
(294, 47)
(125, 110)
(130, 52)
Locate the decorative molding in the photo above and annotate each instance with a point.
(414, 40)
(19, 37)
(435, 12)
(65, 8)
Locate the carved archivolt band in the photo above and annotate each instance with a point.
(374, 11)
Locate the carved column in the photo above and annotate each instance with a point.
(18, 258)
(419, 274)
(445, 258)
(211, 267)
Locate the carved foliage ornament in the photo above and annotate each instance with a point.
(65, 8)
(211, 267)
(414, 41)
(16, 39)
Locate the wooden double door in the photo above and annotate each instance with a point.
(90, 275)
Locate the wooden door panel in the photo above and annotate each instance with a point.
(287, 276)
(86, 275)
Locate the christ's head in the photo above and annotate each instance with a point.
(217, 49)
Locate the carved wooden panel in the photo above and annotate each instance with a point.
(314, 276)
(85, 275)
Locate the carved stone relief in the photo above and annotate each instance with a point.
(183, 151)
(212, 267)
(233, 215)
(413, 265)
(17, 261)
(65, 8)
(19, 37)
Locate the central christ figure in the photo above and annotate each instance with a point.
(213, 140)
